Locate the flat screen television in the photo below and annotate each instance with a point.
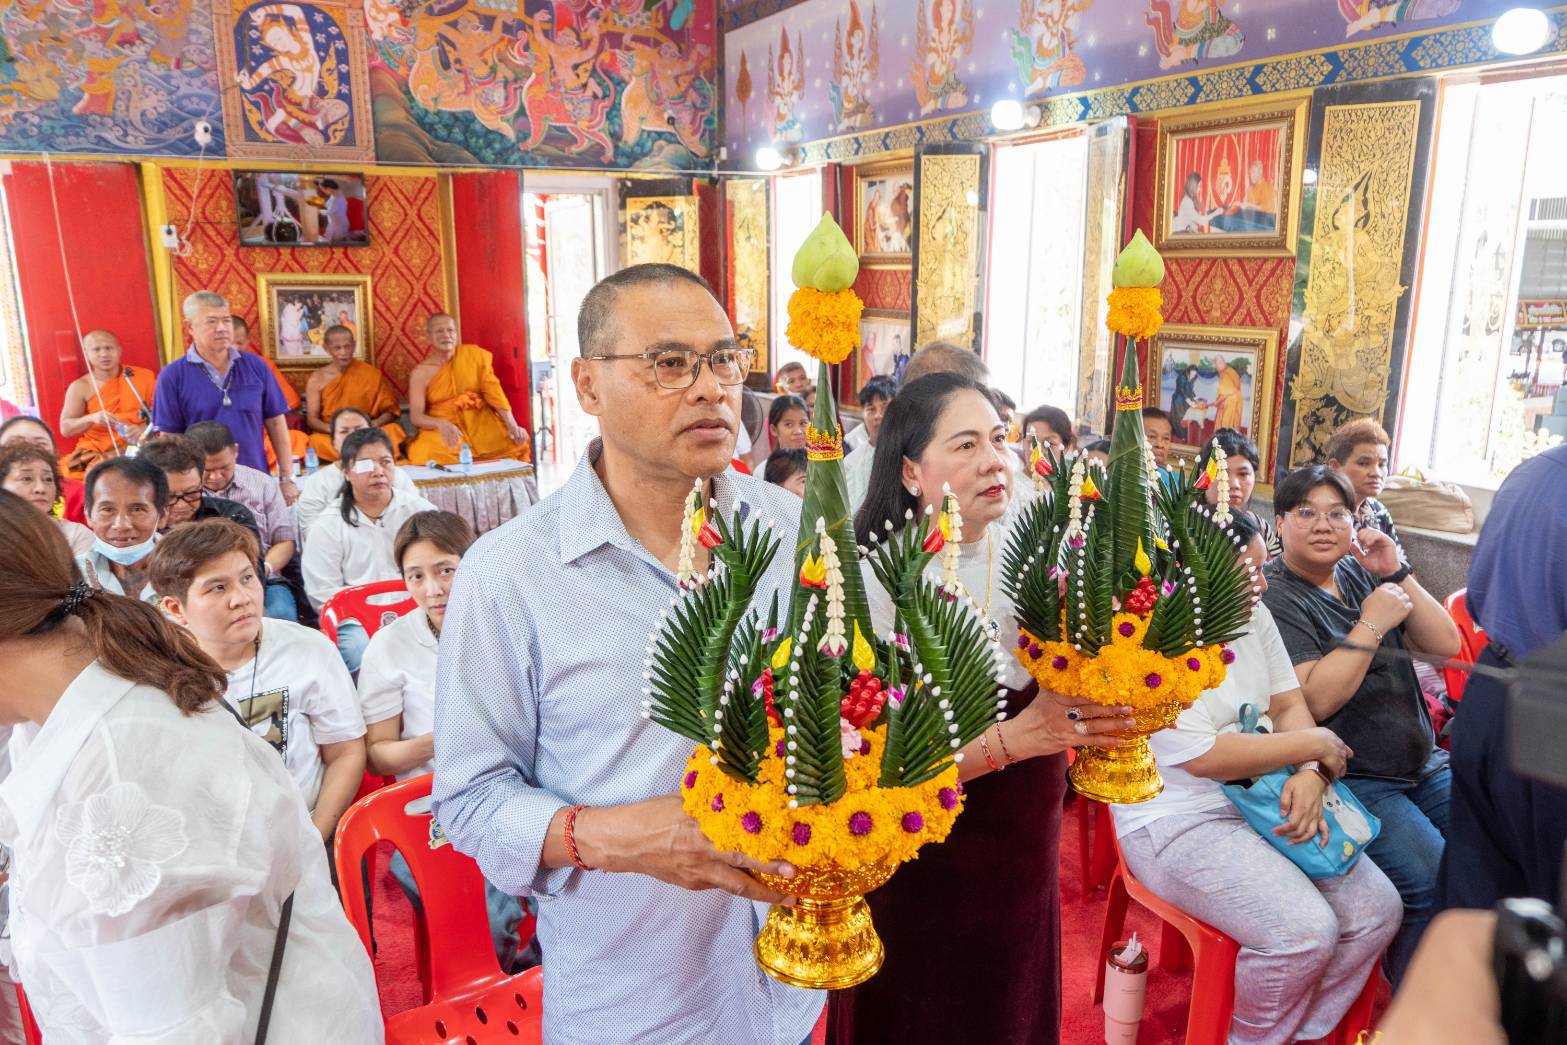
(287, 209)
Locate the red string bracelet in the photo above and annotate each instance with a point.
(571, 837)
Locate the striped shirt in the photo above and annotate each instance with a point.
(538, 697)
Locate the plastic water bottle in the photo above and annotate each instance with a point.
(312, 461)
(465, 459)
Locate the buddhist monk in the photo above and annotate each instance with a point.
(110, 395)
(348, 382)
(242, 342)
(454, 398)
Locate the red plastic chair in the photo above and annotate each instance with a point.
(1182, 939)
(1473, 641)
(374, 606)
(471, 999)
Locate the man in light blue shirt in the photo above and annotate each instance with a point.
(646, 930)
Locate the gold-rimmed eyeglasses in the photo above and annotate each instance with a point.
(680, 367)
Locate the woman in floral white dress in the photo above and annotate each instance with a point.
(154, 839)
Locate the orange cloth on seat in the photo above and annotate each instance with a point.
(119, 398)
(466, 392)
(362, 387)
(289, 394)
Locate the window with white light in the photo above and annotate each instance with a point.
(797, 208)
(16, 384)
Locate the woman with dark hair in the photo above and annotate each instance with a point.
(1306, 946)
(1347, 610)
(353, 545)
(942, 432)
(786, 468)
(786, 423)
(1507, 831)
(156, 843)
(1051, 426)
(33, 474)
(318, 491)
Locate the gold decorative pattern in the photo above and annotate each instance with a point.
(1110, 102)
(1293, 73)
(748, 272)
(1365, 63)
(662, 229)
(948, 248)
(1221, 85)
(826, 941)
(1352, 286)
(1164, 94)
(1457, 47)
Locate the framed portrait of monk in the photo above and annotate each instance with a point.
(1228, 179)
(297, 309)
(1208, 378)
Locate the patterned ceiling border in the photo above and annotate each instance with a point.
(1452, 47)
(733, 14)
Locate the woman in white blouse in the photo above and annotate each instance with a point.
(397, 687)
(33, 474)
(318, 491)
(155, 841)
(353, 544)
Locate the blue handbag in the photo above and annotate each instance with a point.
(1351, 826)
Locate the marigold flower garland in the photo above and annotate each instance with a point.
(825, 325)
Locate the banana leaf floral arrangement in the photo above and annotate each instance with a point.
(1126, 586)
(818, 741)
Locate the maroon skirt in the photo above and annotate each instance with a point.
(973, 926)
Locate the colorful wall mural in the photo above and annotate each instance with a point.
(107, 76)
(819, 69)
(607, 83)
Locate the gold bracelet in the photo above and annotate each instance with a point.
(1374, 629)
(984, 746)
(1003, 742)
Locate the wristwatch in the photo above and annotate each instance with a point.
(1397, 575)
(1315, 767)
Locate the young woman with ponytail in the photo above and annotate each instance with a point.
(155, 841)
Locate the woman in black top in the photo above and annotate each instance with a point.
(1347, 608)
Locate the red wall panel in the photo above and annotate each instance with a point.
(99, 243)
(487, 215)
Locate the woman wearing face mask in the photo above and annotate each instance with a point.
(125, 499)
(155, 841)
(353, 545)
(942, 431)
(33, 474)
(397, 686)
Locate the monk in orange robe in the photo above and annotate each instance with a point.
(112, 394)
(346, 382)
(454, 398)
(242, 342)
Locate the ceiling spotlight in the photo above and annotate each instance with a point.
(1523, 30)
(768, 158)
(1009, 114)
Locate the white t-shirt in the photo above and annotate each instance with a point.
(397, 677)
(319, 490)
(1261, 669)
(297, 695)
(339, 556)
(857, 474)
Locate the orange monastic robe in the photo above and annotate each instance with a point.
(362, 387)
(466, 393)
(119, 398)
(289, 395)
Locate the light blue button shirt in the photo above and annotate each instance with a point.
(538, 706)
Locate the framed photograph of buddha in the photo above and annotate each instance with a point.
(1228, 179)
(297, 309)
(1208, 378)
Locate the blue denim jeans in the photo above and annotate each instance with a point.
(1409, 849)
(351, 643)
(280, 602)
(505, 912)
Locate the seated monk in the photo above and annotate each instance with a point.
(111, 394)
(348, 382)
(454, 398)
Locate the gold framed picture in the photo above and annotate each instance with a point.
(662, 229)
(1208, 378)
(1229, 178)
(885, 348)
(298, 308)
(884, 211)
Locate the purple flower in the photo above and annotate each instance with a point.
(690, 780)
(860, 824)
(1035, 652)
(902, 642)
(865, 747)
(778, 748)
(1022, 641)
(1167, 588)
(948, 798)
(1228, 656)
(895, 696)
(1153, 681)
(1059, 663)
(960, 787)
(769, 634)
(1127, 629)
(718, 803)
(913, 823)
(751, 822)
(800, 833)
(1194, 663)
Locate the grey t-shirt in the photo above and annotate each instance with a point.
(1385, 722)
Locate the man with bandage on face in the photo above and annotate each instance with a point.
(351, 542)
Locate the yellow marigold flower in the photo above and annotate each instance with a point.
(825, 326)
(1124, 672)
(1134, 312)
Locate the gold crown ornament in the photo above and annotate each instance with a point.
(823, 445)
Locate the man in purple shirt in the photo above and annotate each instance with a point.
(215, 381)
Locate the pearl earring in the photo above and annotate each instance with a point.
(914, 491)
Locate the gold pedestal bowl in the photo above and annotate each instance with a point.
(1127, 774)
(826, 940)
